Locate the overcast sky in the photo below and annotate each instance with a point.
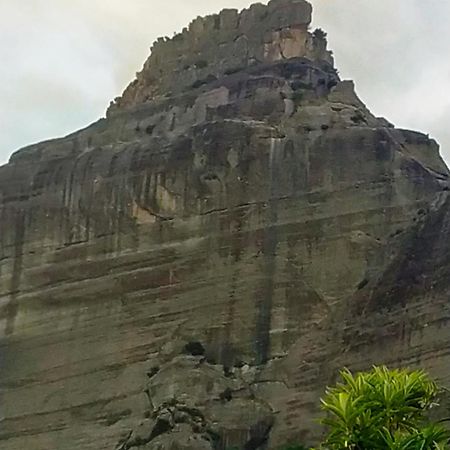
(62, 61)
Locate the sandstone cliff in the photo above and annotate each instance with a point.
(190, 272)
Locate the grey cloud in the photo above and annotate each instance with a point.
(67, 59)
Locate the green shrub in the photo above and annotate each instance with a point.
(383, 410)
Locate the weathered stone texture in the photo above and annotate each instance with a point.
(225, 43)
(190, 272)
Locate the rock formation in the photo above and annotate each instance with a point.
(191, 271)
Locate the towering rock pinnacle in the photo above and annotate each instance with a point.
(229, 42)
(192, 270)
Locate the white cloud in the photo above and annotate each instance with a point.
(63, 61)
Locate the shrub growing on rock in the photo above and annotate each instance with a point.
(319, 33)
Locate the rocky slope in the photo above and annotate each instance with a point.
(190, 272)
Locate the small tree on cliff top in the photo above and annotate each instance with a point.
(383, 410)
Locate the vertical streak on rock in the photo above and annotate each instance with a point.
(237, 247)
(68, 206)
(264, 303)
(16, 275)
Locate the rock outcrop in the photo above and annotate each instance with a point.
(190, 272)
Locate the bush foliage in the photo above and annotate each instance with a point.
(382, 409)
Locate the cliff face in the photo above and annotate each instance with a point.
(190, 272)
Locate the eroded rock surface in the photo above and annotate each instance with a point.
(190, 272)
